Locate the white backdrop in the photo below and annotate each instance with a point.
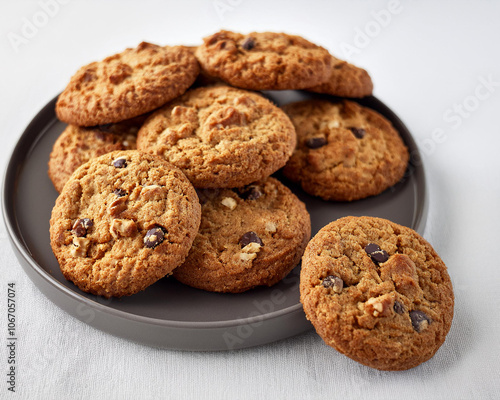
(436, 65)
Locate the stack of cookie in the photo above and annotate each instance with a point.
(165, 168)
(225, 141)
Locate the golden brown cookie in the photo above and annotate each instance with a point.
(127, 84)
(264, 60)
(377, 292)
(344, 151)
(346, 80)
(123, 221)
(248, 237)
(220, 136)
(77, 145)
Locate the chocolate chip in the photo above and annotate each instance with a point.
(120, 162)
(248, 44)
(358, 132)
(250, 237)
(419, 320)
(80, 227)
(376, 253)
(316, 142)
(154, 237)
(119, 192)
(334, 282)
(372, 247)
(379, 256)
(250, 193)
(398, 307)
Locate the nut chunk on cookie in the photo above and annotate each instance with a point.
(257, 242)
(127, 84)
(377, 292)
(344, 151)
(123, 221)
(220, 137)
(265, 60)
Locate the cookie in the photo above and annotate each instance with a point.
(123, 221)
(344, 151)
(203, 78)
(264, 60)
(220, 136)
(346, 80)
(248, 237)
(377, 292)
(127, 84)
(77, 145)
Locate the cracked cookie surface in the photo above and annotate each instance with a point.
(377, 292)
(264, 60)
(248, 237)
(123, 221)
(127, 84)
(220, 136)
(76, 145)
(344, 151)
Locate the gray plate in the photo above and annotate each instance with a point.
(169, 314)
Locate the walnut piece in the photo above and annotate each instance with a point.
(381, 306)
(123, 228)
(402, 271)
(249, 252)
(117, 206)
(80, 247)
(151, 192)
(270, 226)
(229, 202)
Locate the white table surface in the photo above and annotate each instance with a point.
(431, 63)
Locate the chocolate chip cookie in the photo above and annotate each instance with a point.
(127, 84)
(346, 80)
(248, 237)
(377, 292)
(344, 151)
(220, 136)
(77, 145)
(265, 60)
(123, 221)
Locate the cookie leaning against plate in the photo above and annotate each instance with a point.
(220, 136)
(264, 60)
(123, 221)
(126, 84)
(377, 292)
(248, 237)
(346, 80)
(77, 145)
(344, 151)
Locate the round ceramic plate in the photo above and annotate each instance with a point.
(169, 314)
